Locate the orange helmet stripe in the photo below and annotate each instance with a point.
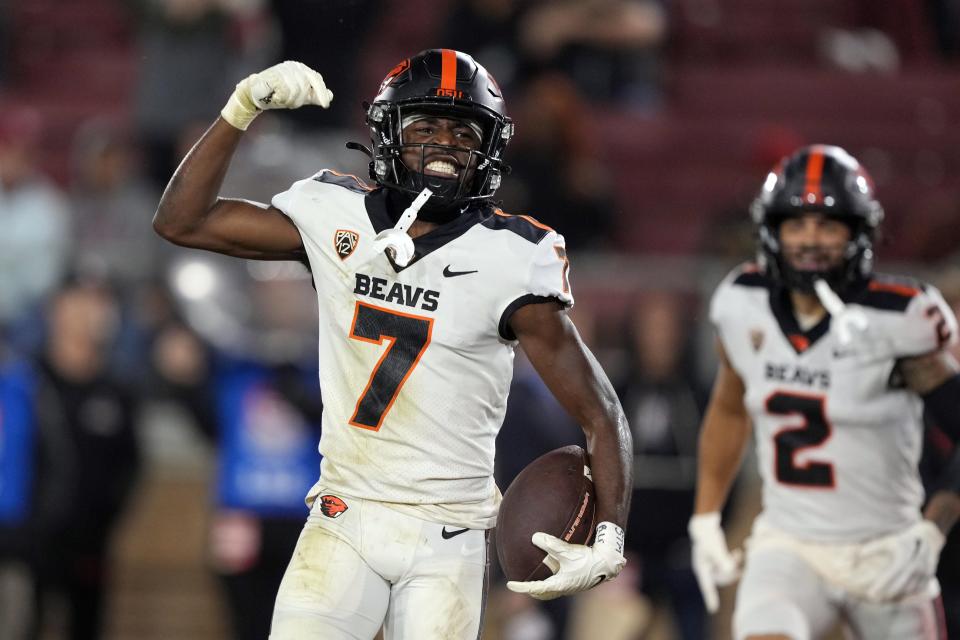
(814, 175)
(448, 69)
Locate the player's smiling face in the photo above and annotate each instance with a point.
(813, 241)
(449, 163)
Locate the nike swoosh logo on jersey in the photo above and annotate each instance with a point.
(453, 274)
(450, 534)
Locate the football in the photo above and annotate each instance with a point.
(553, 494)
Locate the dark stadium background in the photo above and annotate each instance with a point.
(643, 146)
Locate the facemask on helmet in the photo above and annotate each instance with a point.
(817, 179)
(440, 83)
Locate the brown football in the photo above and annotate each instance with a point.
(553, 494)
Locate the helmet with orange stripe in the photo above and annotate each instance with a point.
(447, 86)
(826, 180)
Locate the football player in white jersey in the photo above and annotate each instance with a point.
(418, 324)
(833, 366)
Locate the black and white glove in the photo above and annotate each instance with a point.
(713, 562)
(288, 85)
(576, 567)
(910, 560)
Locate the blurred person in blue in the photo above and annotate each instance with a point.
(834, 365)
(663, 406)
(256, 399)
(424, 290)
(70, 461)
(34, 216)
(23, 510)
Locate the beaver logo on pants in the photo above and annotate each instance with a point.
(332, 506)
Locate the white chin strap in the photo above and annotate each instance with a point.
(846, 319)
(397, 242)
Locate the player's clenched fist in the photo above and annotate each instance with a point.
(288, 85)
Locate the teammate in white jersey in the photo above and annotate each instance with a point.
(416, 349)
(833, 366)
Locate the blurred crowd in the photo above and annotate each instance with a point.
(99, 318)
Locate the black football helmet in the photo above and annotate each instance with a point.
(820, 179)
(448, 84)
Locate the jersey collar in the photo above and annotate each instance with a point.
(378, 205)
(782, 309)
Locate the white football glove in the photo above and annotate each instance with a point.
(713, 563)
(910, 558)
(288, 85)
(576, 567)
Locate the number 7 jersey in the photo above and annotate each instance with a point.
(416, 362)
(838, 436)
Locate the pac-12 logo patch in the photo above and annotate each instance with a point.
(345, 241)
(756, 339)
(332, 506)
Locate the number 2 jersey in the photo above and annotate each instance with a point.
(838, 436)
(416, 362)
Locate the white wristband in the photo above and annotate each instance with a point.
(609, 536)
(240, 109)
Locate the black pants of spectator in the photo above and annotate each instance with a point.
(79, 578)
(250, 594)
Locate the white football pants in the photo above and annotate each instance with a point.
(368, 566)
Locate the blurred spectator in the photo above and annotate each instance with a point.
(187, 54)
(92, 414)
(533, 425)
(488, 30)
(262, 409)
(944, 16)
(880, 34)
(4, 40)
(663, 410)
(555, 176)
(23, 449)
(609, 48)
(264, 420)
(941, 456)
(112, 206)
(333, 38)
(33, 215)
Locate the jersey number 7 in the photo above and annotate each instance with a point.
(408, 337)
(814, 431)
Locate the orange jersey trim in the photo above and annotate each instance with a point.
(800, 343)
(532, 221)
(899, 289)
(361, 183)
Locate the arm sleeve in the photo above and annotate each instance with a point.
(547, 277)
(928, 325)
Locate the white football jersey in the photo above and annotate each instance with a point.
(838, 436)
(416, 362)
